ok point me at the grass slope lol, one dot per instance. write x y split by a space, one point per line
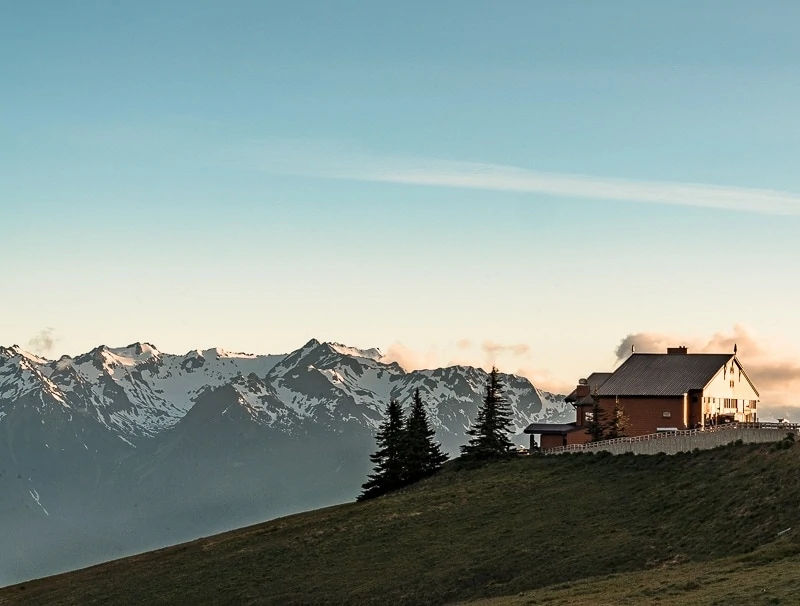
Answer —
769 575
496 530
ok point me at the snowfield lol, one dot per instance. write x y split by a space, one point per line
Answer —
137 392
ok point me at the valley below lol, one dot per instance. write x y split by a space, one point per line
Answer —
708 527
124 450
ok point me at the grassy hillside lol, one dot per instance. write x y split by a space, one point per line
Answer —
497 530
769 575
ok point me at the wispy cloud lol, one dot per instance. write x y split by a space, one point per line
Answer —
412 359
42 343
493 349
334 161
512 358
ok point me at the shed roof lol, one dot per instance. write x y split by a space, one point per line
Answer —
550 428
663 374
595 381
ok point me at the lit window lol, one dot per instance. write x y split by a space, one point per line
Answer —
666 414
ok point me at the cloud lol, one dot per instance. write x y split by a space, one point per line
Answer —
410 359
776 377
467 353
720 342
544 379
336 161
43 342
493 349
488 355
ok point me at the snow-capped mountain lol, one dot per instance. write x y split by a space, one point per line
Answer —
122 449
138 392
135 391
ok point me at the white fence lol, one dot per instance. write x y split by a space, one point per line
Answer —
600 445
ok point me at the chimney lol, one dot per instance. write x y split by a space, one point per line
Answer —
582 390
677 351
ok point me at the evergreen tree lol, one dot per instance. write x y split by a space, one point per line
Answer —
422 456
388 460
489 433
596 427
618 423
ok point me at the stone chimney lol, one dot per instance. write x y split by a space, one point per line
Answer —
582 390
677 351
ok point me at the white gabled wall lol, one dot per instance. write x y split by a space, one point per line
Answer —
731 386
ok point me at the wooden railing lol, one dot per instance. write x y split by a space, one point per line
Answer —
793 427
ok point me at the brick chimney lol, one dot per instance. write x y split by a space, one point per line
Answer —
582 390
677 351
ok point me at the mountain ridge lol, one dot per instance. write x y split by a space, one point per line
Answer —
123 449
137 391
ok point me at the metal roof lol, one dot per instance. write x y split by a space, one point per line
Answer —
663 374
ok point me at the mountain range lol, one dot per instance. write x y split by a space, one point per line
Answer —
120 450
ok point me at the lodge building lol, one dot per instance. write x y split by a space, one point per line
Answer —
659 392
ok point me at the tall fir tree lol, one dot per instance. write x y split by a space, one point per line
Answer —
422 455
596 427
388 459
489 433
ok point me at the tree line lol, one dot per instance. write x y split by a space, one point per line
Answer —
407 451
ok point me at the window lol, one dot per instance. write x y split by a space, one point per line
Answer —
666 414
732 384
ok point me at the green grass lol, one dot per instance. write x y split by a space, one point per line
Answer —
770 575
491 531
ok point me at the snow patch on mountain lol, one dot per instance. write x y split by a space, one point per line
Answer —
137 392
35 496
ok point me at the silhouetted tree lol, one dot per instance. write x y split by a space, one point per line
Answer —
596 427
387 459
421 455
489 432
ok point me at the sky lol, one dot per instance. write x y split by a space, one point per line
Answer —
522 183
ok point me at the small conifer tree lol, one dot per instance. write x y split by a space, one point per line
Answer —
618 422
422 455
596 427
489 433
388 459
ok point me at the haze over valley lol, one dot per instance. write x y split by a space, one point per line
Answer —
125 449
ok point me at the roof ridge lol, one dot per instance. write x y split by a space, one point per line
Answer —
686 355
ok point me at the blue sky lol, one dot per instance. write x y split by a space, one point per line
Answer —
252 174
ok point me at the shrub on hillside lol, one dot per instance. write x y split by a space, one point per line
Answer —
785 443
